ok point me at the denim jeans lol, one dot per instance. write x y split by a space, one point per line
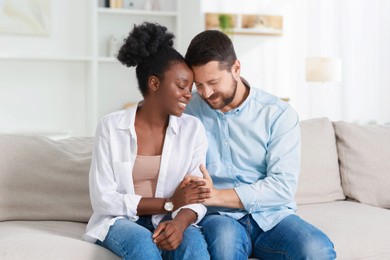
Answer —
292 238
133 240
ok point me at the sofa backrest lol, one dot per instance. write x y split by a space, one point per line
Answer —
319 180
42 179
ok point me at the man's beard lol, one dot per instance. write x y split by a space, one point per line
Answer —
226 99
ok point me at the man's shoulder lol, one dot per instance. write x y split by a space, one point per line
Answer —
271 104
196 106
266 98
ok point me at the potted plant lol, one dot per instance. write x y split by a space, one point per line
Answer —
225 23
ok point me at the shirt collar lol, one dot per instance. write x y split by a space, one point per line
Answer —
128 119
237 110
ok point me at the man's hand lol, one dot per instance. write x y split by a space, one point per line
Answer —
190 192
168 235
207 184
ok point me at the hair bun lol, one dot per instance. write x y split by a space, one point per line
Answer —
144 41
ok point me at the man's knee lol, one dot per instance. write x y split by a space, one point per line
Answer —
193 245
217 227
225 237
317 246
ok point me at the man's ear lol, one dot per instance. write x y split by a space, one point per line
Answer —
236 70
153 83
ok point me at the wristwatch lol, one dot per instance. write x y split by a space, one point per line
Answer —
168 205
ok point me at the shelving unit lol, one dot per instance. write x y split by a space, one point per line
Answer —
112 85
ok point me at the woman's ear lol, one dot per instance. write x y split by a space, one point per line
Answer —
236 70
153 83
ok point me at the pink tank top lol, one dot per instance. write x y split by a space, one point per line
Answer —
145 175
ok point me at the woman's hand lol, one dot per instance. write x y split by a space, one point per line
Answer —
169 234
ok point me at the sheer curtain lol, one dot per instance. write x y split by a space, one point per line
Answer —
358 32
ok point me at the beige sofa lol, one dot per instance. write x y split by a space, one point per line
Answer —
44 202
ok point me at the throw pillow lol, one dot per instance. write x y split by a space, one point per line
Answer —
364 154
319 180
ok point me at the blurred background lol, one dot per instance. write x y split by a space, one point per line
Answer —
59 75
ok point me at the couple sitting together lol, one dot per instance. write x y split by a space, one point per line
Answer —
198 175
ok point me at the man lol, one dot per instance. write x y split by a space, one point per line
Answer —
253 160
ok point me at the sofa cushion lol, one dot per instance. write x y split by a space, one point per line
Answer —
364 154
46 240
358 231
319 180
42 179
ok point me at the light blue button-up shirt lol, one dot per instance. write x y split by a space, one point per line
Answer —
255 149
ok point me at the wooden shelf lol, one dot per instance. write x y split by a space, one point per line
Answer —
252 31
246 24
255 31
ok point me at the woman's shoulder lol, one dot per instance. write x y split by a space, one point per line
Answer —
121 119
113 117
190 119
191 125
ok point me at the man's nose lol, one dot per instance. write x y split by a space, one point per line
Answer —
207 91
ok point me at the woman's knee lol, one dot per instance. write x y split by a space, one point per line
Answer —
131 241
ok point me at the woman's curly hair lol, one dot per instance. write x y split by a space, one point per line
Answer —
149 47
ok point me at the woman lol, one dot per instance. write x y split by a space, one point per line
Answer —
141 155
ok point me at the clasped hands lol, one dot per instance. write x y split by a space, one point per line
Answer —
194 189
169 234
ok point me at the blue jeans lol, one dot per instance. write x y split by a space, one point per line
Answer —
133 240
292 238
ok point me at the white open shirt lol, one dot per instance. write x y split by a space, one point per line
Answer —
115 149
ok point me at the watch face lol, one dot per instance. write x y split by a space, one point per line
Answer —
168 206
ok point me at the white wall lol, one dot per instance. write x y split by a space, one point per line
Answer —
42 94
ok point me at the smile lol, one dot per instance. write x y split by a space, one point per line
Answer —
183 105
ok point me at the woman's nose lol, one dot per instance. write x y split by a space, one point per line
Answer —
188 94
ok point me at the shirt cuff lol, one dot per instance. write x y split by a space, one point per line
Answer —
199 209
131 203
245 193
